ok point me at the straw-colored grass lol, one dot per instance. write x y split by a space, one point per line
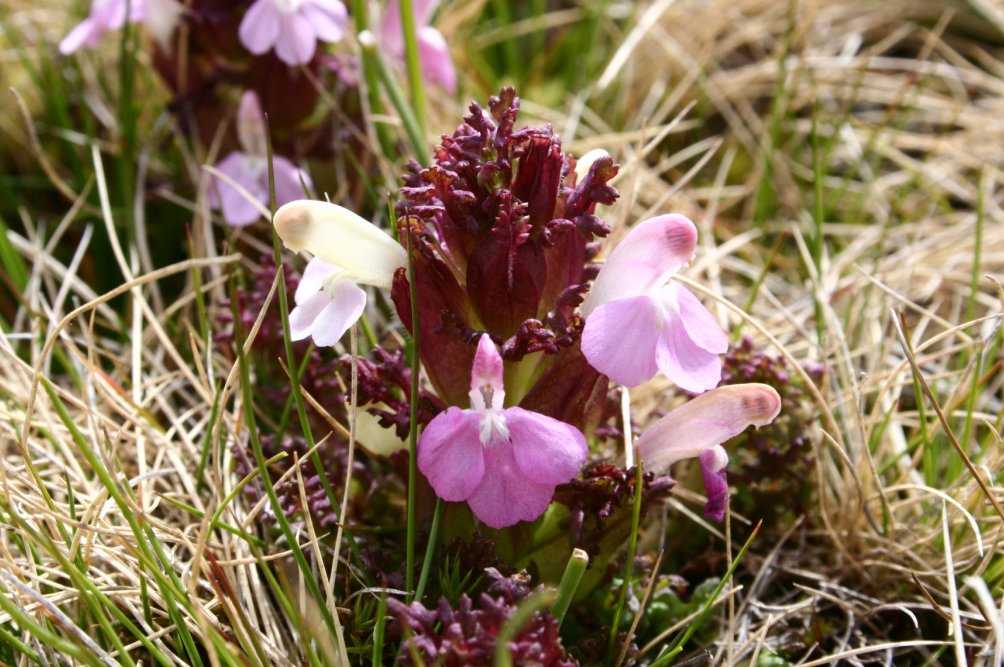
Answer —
862 140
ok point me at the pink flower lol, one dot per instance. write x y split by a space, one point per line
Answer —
348 251
699 427
159 16
504 463
638 321
106 15
434 52
292 27
249 169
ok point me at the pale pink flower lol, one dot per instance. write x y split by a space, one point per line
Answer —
698 428
159 16
249 169
348 251
292 27
105 16
638 321
433 51
504 462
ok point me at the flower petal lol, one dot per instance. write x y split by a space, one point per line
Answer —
644 260
347 303
329 18
546 450
287 180
297 41
391 35
86 33
302 318
684 362
437 63
620 339
339 236
450 454
312 279
701 325
486 372
706 421
260 26
251 125
505 496
238 210
713 461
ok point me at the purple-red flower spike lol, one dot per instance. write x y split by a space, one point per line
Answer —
504 462
638 322
248 168
698 428
292 27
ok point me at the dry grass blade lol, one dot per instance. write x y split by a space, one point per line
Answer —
977 477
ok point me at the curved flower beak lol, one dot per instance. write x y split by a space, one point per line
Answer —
698 428
362 252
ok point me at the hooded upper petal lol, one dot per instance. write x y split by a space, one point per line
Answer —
620 339
337 235
450 454
644 260
707 421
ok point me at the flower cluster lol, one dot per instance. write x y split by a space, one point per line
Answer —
271 52
466 635
496 240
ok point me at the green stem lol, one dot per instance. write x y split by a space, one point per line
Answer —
412 422
413 61
430 550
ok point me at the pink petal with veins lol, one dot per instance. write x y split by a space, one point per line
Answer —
450 454
620 339
702 327
684 362
505 496
546 450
